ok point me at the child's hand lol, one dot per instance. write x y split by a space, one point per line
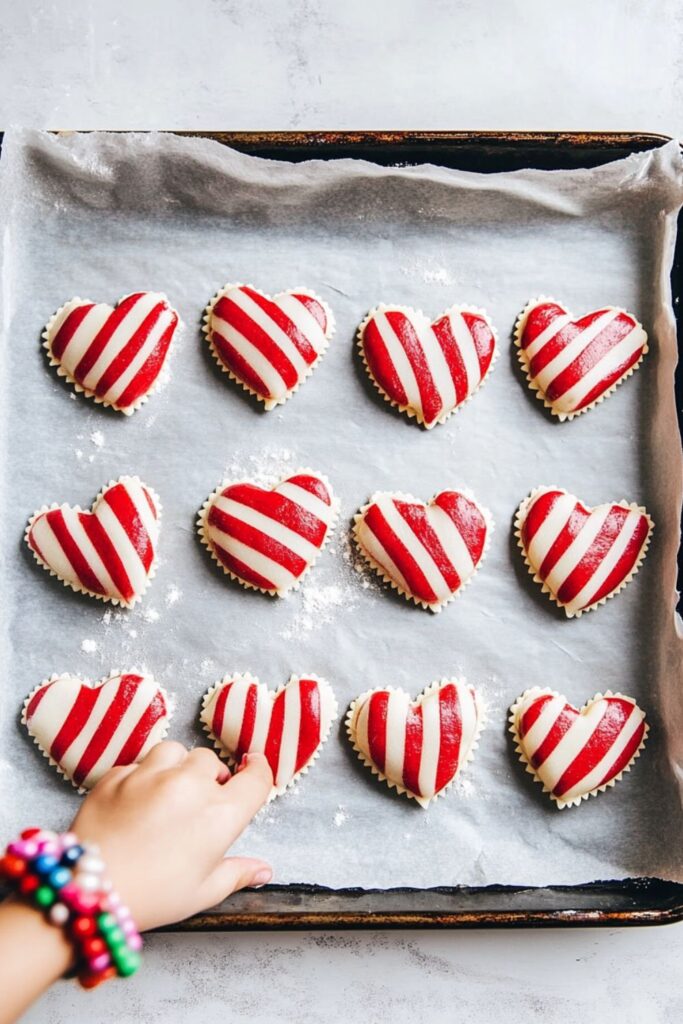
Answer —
163 827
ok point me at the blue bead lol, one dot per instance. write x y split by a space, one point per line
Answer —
44 863
59 877
72 855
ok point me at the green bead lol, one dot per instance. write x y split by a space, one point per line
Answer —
106 923
44 896
127 961
116 939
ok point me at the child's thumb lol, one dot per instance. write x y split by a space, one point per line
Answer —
234 873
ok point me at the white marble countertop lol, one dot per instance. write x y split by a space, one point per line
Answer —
226 64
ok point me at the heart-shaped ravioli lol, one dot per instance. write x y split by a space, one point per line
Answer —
267 538
417 746
109 552
87 728
268 345
113 354
427 369
426 551
573 364
289 726
581 556
576 753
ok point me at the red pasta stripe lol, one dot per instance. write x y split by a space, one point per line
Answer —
248 720
274 741
219 710
279 317
227 309
405 332
453 356
130 751
309 729
81 567
257 540
120 502
125 693
149 371
105 548
450 719
399 554
416 517
413 749
377 728
103 336
129 351
605 733
76 718
67 330
560 726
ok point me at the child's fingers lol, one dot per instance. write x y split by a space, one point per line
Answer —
206 763
232 874
167 754
244 794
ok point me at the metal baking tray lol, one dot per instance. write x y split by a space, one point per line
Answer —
634 901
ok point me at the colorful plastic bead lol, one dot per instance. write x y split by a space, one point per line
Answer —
31 833
28 885
93 947
135 942
127 961
12 866
44 896
84 927
59 877
44 863
98 963
59 914
72 855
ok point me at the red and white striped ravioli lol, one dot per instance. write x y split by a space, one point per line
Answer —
289 726
85 729
109 552
428 552
114 355
268 538
268 345
574 364
427 370
420 746
575 753
580 555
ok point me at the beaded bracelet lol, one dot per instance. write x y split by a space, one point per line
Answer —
65 879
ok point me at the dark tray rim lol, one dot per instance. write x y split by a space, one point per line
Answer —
633 901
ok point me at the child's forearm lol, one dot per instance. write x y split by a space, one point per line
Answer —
33 955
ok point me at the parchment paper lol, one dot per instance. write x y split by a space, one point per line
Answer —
102 215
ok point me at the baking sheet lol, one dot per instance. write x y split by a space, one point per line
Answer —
101 215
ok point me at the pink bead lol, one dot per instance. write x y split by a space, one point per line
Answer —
82 902
113 900
135 942
68 893
69 839
99 963
122 912
128 926
49 846
25 848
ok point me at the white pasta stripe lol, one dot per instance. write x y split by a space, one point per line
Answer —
303 319
546 335
259 563
452 542
290 735
463 337
549 530
379 554
82 338
308 501
431 745
84 544
396 734
615 750
437 365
